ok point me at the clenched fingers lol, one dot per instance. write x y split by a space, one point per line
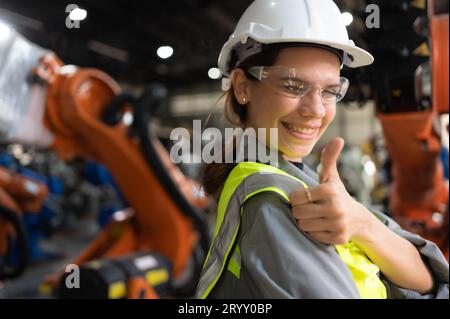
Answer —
307 211
319 193
317 224
300 197
324 237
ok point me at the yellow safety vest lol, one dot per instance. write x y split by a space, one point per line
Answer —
364 272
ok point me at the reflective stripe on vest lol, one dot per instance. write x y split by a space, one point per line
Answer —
246 180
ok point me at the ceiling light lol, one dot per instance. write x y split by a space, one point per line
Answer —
78 14
214 73
347 18
5 31
164 52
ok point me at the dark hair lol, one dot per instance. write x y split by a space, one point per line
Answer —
215 174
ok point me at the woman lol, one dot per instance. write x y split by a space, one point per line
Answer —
283 232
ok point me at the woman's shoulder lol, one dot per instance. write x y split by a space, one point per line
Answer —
267 207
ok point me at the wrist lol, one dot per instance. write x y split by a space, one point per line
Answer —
365 233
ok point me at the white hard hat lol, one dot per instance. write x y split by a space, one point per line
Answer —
316 22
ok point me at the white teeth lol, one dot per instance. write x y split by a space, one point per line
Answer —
300 129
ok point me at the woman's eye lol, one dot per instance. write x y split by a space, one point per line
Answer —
294 86
330 93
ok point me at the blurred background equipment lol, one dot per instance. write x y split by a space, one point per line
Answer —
85 111
410 102
137 275
13 250
18 194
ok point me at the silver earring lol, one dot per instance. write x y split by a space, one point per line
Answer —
244 100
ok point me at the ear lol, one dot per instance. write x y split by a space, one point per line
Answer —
241 86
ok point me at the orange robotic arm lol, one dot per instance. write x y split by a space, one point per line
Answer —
28 194
17 194
163 219
419 188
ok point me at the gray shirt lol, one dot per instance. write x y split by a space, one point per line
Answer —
278 260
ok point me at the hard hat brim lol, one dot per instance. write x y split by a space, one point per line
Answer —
353 56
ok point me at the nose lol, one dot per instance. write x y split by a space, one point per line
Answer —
311 104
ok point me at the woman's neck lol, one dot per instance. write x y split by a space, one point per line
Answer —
293 159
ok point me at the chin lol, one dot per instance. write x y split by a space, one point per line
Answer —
297 152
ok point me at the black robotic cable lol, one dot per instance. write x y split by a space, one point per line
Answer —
8 268
142 107
112 113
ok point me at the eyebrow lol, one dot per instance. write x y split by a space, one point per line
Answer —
293 78
333 85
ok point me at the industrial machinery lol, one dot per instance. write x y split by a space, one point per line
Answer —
411 85
82 112
136 275
18 194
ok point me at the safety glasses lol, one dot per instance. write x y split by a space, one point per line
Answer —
285 81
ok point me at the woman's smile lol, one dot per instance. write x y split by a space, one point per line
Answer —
301 131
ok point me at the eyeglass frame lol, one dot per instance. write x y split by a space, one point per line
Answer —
257 72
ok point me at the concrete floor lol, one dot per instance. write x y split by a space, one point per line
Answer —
62 247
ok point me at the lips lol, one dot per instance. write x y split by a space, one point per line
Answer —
301 131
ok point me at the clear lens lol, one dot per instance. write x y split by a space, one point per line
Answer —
284 80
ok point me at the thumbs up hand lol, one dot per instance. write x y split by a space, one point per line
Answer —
328 160
329 214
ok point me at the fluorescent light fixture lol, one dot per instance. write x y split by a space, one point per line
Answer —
347 17
108 50
5 31
214 73
164 52
78 14
18 19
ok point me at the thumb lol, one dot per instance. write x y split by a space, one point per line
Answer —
328 160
